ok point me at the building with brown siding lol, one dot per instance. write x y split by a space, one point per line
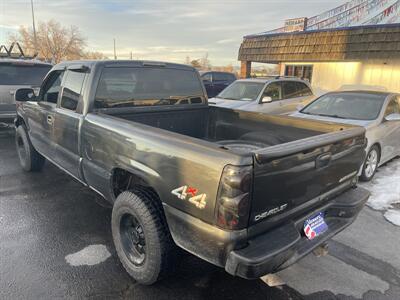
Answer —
331 59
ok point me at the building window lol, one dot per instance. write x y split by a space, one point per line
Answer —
304 72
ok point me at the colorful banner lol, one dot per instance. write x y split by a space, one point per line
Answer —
333 12
353 13
352 16
389 15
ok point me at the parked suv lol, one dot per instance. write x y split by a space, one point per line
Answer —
276 95
15 74
216 82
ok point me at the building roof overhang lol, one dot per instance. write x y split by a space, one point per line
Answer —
361 43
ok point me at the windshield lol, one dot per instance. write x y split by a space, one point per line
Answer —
242 90
22 74
357 106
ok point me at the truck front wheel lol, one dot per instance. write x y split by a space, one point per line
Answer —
141 236
29 158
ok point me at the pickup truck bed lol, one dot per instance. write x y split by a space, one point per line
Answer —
238 131
234 188
273 143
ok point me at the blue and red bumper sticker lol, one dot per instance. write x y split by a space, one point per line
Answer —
315 226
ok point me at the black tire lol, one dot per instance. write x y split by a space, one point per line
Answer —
159 249
29 158
368 171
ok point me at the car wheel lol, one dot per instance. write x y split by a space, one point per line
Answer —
141 236
370 164
29 158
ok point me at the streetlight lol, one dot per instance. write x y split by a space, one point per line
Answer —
34 28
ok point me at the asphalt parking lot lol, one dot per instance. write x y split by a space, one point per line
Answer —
47 218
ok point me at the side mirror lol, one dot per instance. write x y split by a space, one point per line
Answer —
266 99
23 95
392 117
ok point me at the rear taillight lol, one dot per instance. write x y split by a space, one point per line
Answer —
234 194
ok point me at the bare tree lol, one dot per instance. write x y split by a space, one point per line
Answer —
196 64
54 42
94 55
205 62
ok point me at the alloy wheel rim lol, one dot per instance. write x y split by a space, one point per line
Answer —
133 239
371 163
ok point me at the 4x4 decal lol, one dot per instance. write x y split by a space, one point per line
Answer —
185 191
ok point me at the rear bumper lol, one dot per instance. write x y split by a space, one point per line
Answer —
283 246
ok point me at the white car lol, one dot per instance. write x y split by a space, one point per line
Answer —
275 95
378 112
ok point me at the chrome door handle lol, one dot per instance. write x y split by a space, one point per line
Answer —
49 120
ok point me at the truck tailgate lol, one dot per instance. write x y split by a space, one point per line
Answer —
291 177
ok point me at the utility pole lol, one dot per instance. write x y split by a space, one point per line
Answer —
34 28
131 55
115 51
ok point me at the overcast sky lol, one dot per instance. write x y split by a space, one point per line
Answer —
162 29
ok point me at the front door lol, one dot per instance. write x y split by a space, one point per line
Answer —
273 90
40 115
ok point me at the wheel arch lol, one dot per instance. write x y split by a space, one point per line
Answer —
377 144
125 179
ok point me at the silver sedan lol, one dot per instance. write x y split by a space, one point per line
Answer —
378 112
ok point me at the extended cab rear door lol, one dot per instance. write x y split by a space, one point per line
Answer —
67 119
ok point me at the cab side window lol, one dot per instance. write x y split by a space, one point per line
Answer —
72 90
207 77
224 77
393 107
303 89
52 87
290 90
273 90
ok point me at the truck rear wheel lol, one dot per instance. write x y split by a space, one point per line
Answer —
141 236
29 158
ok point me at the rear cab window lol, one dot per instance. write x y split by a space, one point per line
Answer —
22 73
138 87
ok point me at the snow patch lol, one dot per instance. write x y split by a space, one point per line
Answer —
393 216
385 189
89 256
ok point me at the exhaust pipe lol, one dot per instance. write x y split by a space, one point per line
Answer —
321 250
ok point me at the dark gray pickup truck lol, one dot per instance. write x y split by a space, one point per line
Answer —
248 192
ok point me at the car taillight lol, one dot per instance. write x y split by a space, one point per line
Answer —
234 194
